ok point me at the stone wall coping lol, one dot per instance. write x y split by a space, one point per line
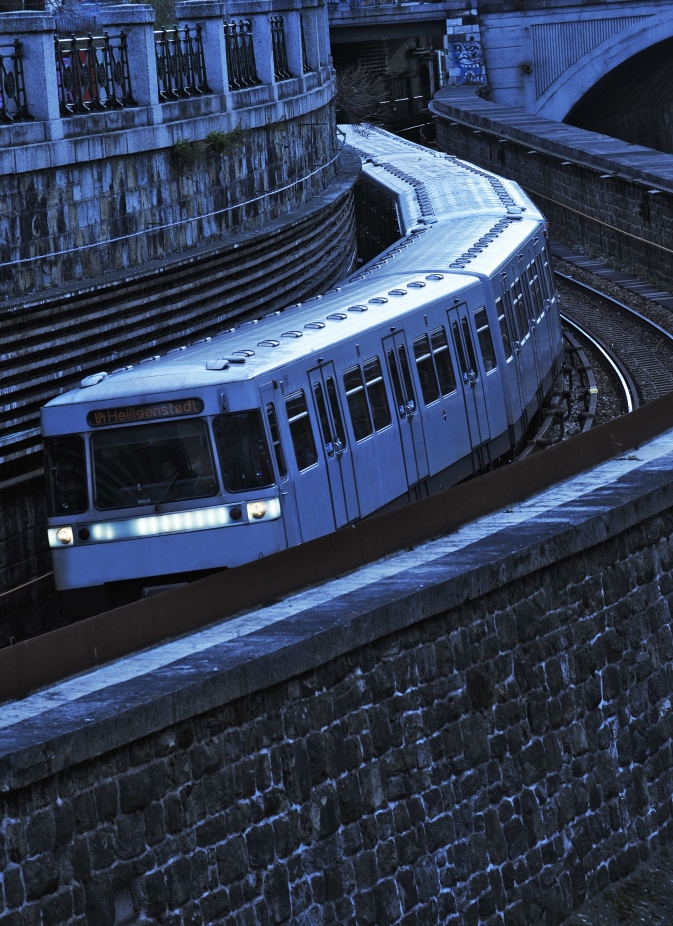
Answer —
97 712
125 14
137 130
645 165
26 21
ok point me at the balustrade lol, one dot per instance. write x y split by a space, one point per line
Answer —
13 103
304 57
92 73
181 68
240 55
280 68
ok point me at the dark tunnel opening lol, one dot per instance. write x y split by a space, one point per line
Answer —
634 101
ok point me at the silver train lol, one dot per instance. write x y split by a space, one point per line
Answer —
421 369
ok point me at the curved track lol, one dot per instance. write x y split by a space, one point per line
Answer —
641 349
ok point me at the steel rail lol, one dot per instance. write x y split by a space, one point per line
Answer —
620 371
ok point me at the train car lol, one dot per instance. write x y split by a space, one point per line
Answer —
421 369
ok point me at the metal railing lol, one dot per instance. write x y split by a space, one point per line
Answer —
281 69
13 103
181 66
240 55
92 73
304 57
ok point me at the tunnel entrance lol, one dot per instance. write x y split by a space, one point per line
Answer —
634 101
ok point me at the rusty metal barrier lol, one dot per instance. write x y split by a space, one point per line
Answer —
57 655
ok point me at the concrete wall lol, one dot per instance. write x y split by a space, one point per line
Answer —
483 736
599 192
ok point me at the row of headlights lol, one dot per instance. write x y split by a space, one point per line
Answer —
173 522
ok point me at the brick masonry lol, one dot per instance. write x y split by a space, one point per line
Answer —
594 190
493 761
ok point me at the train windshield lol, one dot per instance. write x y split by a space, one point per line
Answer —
65 468
150 464
243 451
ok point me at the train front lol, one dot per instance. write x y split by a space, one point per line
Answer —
152 481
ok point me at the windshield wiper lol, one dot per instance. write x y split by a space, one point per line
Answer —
169 487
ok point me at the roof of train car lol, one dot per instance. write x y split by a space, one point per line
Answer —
465 204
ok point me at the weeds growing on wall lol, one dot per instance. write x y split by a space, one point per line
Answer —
188 153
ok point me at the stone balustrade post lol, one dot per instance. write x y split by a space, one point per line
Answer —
35 31
210 15
261 37
310 15
295 58
323 34
137 21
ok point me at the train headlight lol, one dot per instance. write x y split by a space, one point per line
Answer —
256 510
64 535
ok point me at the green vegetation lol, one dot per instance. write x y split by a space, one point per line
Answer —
188 153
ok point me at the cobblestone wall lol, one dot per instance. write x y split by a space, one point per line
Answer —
493 764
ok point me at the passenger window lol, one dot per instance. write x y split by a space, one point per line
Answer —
426 369
536 294
397 385
443 362
474 369
485 340
504 333
336 411
357 403
301 431
65 469
542 277
376 392
461 353
517 302
528 296
406 375
243 452
275 439
324 420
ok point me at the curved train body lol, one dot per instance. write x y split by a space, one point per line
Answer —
421 369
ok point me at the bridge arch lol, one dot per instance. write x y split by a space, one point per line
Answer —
568 90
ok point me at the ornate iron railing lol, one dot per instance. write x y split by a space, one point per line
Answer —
281 69
181 66
13 103
304 56
92 73
240 55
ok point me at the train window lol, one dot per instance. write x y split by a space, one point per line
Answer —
504 333
357 403
443 363
152 463
519 311
543 279
336 411
65 469
275 439
376 391
406 376
323 419
301 431
474 369
461 353
536 294
426 369
527 294
397 384
243 451
485 340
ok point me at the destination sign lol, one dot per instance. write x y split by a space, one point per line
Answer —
132 414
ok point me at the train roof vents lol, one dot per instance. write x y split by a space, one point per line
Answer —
253 321
378 300
122 369
397 292
203 340
357 308
244 353
292 334
435 277
150 359
416 284
338 316
268 342
174 350
314 326
93 379
220 364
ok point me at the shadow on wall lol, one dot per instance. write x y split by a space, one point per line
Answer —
634 101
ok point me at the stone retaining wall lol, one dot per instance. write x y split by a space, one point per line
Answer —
495 762
602 193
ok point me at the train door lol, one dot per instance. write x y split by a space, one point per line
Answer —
473 388
338 457
287 497
511 347
411 426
